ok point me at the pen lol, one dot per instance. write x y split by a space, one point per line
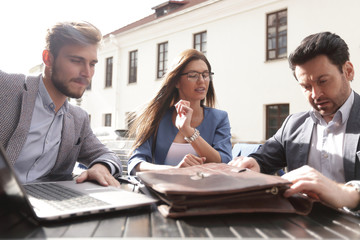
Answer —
239 171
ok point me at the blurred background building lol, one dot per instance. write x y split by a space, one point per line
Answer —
247 43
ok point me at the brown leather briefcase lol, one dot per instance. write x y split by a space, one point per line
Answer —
218 188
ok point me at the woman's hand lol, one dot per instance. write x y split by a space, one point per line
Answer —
183 118
191 160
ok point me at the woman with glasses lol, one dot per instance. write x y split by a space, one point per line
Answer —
180 127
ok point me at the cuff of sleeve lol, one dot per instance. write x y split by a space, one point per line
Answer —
132 167
354 211
112 168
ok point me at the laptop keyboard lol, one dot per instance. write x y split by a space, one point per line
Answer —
61 197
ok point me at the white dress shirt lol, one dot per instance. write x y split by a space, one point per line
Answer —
327 142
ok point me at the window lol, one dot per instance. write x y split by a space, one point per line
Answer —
130 117
275 116
109 71
133 66
89 86
200 40
107 122
162 59
276 44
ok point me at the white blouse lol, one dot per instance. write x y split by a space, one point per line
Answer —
177 152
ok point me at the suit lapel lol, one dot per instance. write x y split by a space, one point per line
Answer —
19 136
167 133
351 140
303 153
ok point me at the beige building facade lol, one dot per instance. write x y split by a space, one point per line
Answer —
247 43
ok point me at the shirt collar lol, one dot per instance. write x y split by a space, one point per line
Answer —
341 115
47 101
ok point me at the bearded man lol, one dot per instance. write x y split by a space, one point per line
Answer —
42 133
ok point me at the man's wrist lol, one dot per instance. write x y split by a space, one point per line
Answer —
108 166
354 189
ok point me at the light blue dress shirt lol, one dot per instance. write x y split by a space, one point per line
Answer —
40 151
38 156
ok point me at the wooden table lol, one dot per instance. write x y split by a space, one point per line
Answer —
147 222
322 223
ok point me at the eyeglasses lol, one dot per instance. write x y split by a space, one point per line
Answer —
193 76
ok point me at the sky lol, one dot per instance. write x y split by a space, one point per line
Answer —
23 24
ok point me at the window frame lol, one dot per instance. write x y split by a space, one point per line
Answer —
133 57
277 37
202 43
129 119
107 119
162 59
270 131
109 62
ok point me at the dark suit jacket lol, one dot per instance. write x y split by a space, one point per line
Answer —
290 146
78 143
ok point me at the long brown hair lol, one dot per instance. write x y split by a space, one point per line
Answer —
147 123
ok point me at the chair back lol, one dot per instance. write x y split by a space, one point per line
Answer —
244 149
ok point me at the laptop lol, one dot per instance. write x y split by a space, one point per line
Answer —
64 195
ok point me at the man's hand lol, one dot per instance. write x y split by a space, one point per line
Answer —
191 160
99 173
245 162
311 182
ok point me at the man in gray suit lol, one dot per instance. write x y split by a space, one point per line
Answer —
42 133
320 148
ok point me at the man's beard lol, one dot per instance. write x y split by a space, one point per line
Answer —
62 87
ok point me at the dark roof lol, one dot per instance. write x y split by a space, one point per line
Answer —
175 6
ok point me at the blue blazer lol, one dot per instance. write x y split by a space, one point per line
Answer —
214 129
290 146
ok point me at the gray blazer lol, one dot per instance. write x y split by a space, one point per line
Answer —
78 143
290 145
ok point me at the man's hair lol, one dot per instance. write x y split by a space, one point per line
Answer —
323 43
71 33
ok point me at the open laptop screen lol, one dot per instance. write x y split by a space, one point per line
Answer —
12 197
